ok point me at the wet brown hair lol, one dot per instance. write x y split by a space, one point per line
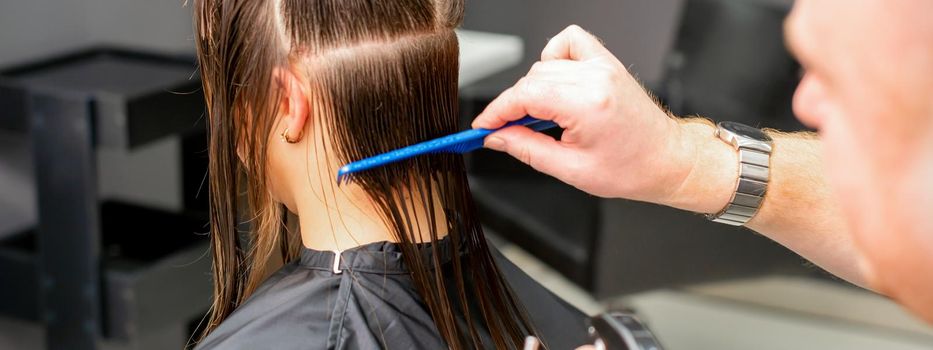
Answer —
383 74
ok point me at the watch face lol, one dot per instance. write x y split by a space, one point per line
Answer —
746 131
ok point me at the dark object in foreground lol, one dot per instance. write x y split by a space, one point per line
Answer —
616 330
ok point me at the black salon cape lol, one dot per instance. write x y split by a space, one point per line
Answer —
370 304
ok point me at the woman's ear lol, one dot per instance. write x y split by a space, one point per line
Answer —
294 109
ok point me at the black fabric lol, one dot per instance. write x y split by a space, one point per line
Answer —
560 325
371 304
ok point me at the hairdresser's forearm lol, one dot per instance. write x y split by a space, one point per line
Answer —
798 211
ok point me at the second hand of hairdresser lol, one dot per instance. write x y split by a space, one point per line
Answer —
619 143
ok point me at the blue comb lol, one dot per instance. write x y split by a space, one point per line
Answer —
461 142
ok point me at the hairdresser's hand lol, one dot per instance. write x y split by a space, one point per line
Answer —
617 141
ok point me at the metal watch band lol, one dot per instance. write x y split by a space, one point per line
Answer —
754 153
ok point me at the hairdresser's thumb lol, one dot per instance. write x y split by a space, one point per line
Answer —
495 142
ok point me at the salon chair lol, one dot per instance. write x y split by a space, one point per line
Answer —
728 62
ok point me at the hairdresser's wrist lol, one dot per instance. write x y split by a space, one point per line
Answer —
711 169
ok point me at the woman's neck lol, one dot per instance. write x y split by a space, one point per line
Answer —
345 217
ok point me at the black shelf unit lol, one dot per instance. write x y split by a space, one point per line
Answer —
138 262
137 96
93 271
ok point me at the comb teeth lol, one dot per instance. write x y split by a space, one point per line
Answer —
343 174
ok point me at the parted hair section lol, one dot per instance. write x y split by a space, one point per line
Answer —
383 75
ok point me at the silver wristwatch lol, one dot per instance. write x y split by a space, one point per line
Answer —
754 147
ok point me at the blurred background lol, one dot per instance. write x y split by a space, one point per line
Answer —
102 159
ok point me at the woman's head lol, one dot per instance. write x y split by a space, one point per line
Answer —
296 88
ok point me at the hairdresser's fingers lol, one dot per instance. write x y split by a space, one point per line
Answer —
574 43
538 150
568 72
490 118
541 99
586 347
584 78
557 67
531 343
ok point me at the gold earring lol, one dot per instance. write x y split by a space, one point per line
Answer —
286 139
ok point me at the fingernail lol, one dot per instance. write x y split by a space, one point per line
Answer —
531 343
495 143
